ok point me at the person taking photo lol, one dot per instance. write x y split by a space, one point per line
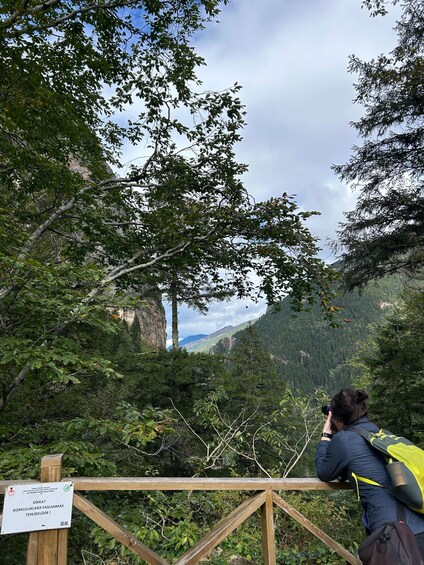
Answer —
342 454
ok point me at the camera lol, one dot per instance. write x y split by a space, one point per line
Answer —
325 408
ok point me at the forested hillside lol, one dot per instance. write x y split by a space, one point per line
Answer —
308 352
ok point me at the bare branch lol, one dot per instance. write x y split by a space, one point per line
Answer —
141 452
122 270
44 226
13 387
45 6
24 11
254 448
188 425
225 438
108 184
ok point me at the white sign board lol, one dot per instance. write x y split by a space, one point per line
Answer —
42 506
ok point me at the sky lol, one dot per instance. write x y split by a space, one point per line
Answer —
291 59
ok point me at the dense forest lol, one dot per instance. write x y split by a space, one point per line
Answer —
308 352
81 242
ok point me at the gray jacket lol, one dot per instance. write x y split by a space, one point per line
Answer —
348 452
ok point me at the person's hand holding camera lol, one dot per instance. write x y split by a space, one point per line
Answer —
327 432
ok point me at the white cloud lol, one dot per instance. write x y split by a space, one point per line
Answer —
291 59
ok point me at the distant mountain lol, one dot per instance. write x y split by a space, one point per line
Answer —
191 338
225 330
308 353
205 344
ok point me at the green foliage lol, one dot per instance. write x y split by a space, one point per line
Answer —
241 420
44 318
392 367
176 375
91 447
385 233
70 230
267 239
73 234
135 440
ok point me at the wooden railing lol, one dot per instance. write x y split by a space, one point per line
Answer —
50 547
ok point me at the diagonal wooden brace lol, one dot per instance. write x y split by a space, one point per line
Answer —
117 531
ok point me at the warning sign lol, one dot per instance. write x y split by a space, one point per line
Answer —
30 508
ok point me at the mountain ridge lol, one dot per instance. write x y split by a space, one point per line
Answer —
205 344
308 353
191 338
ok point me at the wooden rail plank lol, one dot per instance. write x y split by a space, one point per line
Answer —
296 515
222 530
5 484
179 483
268 533
115 530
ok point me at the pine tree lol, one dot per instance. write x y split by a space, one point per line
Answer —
385 233
254 382
395 370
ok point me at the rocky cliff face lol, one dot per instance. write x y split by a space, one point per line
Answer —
151 315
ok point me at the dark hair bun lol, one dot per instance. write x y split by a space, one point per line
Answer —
361 395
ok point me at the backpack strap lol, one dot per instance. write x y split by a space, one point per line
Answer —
401 511
365 435
364 480
360 431
368 436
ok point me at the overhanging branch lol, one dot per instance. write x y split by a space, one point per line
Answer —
45 6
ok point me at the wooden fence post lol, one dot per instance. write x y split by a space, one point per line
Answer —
268 535
32 549
49 547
